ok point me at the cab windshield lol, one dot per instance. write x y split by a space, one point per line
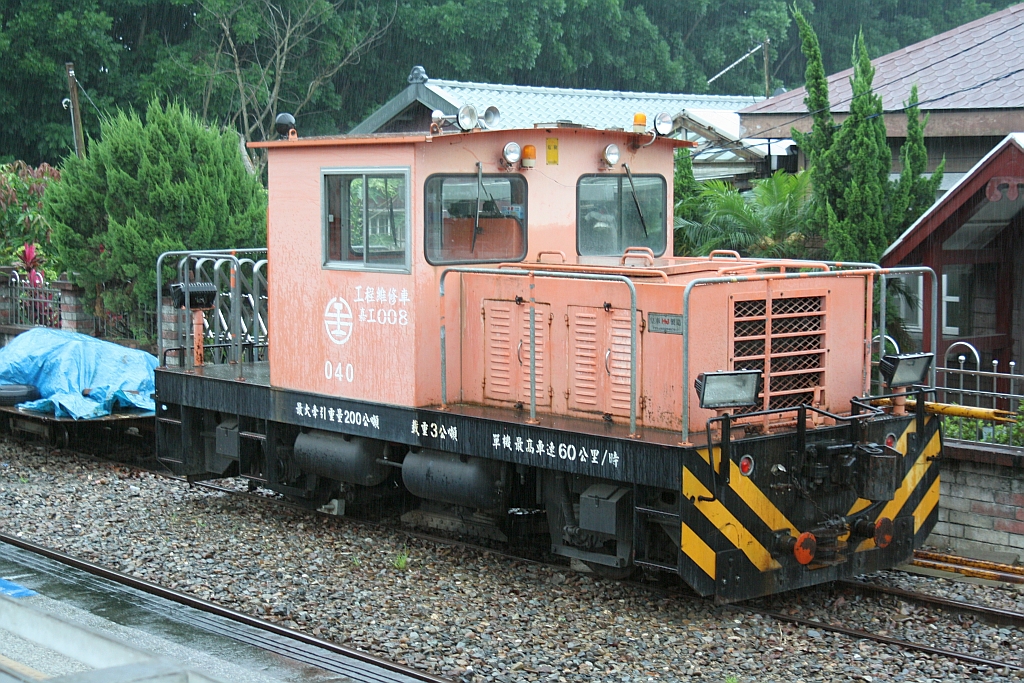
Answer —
614 212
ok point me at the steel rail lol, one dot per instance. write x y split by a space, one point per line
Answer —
888 640
211 608
993 615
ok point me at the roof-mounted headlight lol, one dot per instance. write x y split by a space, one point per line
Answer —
467 117
663 123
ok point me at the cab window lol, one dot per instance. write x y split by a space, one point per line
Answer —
471 219
366 221
607 219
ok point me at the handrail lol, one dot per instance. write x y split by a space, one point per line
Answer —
870 273
637 252
566 275
551 252
781 263
724 252
574 267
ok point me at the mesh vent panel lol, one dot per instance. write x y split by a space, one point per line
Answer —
749 309
792 400
792 371
811 323
794 363
803 304
752 347
792 382
791 344
748 328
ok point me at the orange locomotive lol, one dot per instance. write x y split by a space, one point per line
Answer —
491 323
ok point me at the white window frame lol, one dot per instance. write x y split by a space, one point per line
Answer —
948 299
326 263
914 322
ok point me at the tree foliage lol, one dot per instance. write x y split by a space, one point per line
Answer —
858 162
768 221
21 206
238 62
163 184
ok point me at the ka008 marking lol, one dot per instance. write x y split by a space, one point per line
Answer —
339 372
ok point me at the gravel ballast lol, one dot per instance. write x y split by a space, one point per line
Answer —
469 614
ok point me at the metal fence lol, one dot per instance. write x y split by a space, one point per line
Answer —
963 379
33 301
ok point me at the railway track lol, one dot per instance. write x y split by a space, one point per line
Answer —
993 615
354 664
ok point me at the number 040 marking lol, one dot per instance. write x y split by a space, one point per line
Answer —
341 373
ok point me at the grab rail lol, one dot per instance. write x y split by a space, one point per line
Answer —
533 347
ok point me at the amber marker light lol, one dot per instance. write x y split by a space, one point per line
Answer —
529 159
639 122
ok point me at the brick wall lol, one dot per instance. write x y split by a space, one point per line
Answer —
981 509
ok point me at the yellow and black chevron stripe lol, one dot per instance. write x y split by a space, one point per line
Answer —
918 495
740 522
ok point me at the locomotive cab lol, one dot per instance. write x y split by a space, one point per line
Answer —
491 327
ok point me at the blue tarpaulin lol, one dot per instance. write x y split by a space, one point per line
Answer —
78 376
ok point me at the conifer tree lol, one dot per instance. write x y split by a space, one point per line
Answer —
859 162
816 143
913 193
169 183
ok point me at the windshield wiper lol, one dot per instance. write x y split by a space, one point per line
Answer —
636 201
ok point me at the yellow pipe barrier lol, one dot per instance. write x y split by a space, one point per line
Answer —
950 410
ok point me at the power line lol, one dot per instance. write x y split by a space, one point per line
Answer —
800 117
902 109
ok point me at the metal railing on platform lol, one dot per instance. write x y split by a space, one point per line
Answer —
963 379
33 301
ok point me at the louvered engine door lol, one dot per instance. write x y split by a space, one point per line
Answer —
507 352
599 360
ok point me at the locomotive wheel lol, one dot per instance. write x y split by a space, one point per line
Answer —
608 572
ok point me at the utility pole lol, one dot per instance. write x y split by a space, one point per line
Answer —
767 73
76 117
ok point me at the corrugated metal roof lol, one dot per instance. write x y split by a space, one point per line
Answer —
524 106
979 65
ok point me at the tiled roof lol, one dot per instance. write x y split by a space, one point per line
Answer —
979 65
523 106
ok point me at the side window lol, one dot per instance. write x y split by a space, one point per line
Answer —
366 221
475 220
607 218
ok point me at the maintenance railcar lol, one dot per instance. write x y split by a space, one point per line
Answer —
504 338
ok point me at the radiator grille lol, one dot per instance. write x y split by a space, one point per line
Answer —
791 356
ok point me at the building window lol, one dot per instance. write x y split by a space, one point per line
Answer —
911 302
607 219
366 221
471 219
957 300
